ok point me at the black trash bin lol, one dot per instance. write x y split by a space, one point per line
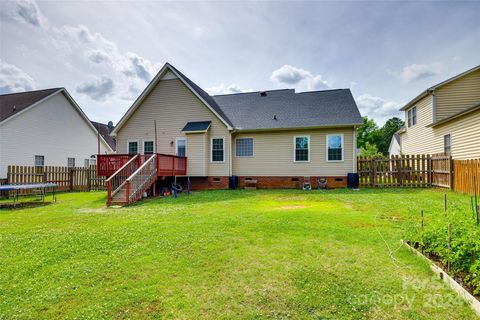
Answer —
352 180
233 182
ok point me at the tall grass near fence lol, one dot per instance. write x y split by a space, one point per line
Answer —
452 238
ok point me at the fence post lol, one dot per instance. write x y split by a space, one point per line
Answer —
70 173
89 174
372 172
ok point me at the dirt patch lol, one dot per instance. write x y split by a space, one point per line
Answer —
294 207
90 210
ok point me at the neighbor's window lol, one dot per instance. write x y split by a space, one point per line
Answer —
39 161
412 116
334 147
244 147
218 152
90 162
132 147
302 149
447 143
71 162
147 147
181 147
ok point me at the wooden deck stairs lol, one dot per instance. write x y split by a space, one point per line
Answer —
128 183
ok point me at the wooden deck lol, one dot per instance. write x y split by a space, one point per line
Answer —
167 165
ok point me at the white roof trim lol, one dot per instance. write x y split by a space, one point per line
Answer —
432 88
151 86
31 106
72 102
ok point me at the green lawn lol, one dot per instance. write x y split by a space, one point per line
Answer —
223 254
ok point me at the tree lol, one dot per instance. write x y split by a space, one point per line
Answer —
365 132
369 150
386 133
370 136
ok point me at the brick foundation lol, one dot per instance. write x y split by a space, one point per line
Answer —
292 182
208 183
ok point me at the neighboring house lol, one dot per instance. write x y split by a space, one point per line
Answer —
276 137
445 118
45 128
394 149
105 130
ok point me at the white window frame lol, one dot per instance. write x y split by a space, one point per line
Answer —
138 146
176 145
211 149
143 146
343 146
295 148
447 134
35 161
68 162
410 117
253 147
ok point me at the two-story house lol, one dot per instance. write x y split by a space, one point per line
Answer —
444 118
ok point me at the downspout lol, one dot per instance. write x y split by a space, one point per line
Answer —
354 150
230 169
434 106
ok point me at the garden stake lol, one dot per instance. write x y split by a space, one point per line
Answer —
445 203
422 220
475 195
473 207
449 247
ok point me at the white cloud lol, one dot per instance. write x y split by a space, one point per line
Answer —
223 89
378 108
299 78
25 11
14 79
415 71
97 89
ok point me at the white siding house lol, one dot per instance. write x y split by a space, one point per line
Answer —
46 127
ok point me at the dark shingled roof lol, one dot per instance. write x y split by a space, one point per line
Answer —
197 126
13 103
105 131
279 109
205 96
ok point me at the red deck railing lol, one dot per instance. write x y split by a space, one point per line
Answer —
167 165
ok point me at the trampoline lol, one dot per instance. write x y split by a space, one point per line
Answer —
39 186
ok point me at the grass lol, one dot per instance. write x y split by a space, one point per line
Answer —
222 255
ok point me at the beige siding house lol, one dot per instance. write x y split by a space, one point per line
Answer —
445 118
45 127
278 138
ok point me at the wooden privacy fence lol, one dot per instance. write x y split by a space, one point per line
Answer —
397 171
67 179
464 173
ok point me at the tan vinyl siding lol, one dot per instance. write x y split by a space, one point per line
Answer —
465 136
172 105
418 138
273 154
458 95
196 146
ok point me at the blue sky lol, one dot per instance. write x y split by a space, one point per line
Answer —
105 53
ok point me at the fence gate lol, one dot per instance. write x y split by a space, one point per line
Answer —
405 171
442 170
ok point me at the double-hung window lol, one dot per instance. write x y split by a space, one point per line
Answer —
148 147
335 147
181 147
447 143
39 161
132 147
302 149
412 116
244 147
218 150
70 162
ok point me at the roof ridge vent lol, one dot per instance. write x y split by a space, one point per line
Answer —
263 93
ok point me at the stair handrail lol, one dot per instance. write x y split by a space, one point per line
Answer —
119 178
146 170
121 168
